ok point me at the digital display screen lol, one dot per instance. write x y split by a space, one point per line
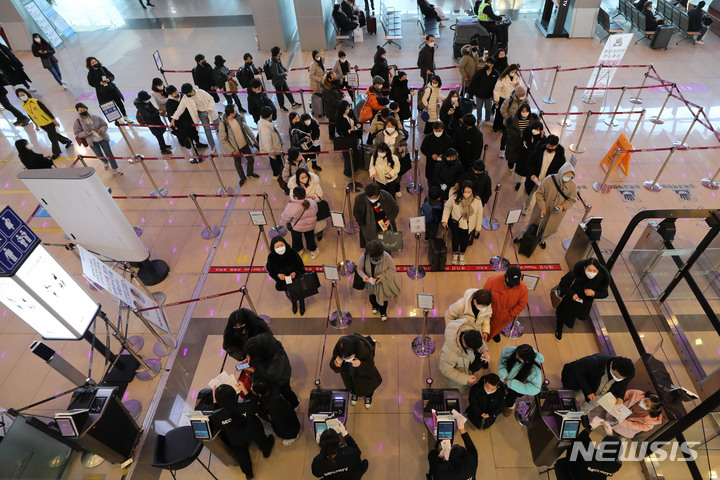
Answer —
320 427
201 429
570 429
451 404
446 430
66 427
31 311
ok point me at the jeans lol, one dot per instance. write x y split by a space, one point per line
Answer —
703 31
382 308
297 240
485 103
208 129
283 87
460 237
55 70
250 162
102 149
55 137
10 108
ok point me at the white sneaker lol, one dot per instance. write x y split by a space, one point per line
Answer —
398 194
462 259
455 258
374 310
127 119
315 253
30 89
117 172
384 319
64 85
107 167
501 153
301 252
287 443
699 42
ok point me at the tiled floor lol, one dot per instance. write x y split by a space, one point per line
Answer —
387 434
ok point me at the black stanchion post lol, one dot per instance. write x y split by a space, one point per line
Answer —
152 366
351 226
302 100
209 231
81 160
415 188
422 345
356 186
262 230
164 344
345 267
265 318
499 263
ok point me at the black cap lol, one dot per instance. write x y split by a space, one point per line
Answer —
143 96
219 60
512 276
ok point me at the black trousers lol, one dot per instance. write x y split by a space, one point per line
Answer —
10 108
510 398
250 163
242 449
460 238
232 98
568 311
382 308
55 137
297 240
287 393
158 133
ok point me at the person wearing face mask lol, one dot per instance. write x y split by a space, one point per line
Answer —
204 77
396 140
276 410
242 325
463 214
604 457
183 127
451 114
433 147
43 118
475 307
381 68
332 96
401 93
530 137
147 114
316 72
431 98
30 159
248 72
378 123
506 83
595 375
509 298
102 80
258 99
376 269
21 120
349 131
43 50
201 107
343 21
554 197
309 182
519 368
447 173
426 59
545 159
384 169
13 69
93 129
310 127
160 96
269 360
469 63
578 288
482 86
516 125
432 209
279 79
481 181
463 353
646 408
454 462
507 109
469 141
354 359
341 69
295 161
269 141
373 95
301 216
375 211
283 262
338 461
486 401
237 138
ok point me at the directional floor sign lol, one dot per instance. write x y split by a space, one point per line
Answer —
16 241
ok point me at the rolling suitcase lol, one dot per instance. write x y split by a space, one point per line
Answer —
466 105
366 153
662 37
316 105
437 253
465 29
371 25
529 241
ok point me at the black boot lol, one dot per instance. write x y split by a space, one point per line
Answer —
294 307
317 167
302 307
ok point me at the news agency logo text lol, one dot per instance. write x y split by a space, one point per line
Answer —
635 451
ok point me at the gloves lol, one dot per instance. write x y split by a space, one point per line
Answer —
459 420
343 430
445 448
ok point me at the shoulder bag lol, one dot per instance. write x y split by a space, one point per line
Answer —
555 295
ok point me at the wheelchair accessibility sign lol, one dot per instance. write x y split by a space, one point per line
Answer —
16 241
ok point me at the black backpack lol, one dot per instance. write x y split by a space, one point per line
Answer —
267 68
245 76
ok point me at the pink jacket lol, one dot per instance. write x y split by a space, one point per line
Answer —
629 427
300 220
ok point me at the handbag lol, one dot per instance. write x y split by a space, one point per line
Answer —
358 282
555 297
425 116
304 286
323 210
391 240
80 141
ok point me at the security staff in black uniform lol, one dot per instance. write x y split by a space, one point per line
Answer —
338 462
461 463
239 426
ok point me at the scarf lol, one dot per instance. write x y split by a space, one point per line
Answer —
467 210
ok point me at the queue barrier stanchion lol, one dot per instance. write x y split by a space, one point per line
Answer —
636 99
637 125
81 160
576 147
351 226
354 185
491 223
158 192
265 318
612 122
302 100
603 187
416 272
681 143
566 122
566 243
422 345
164 343
339 319
514 330
711 182
345 267
223 190
652 185
276 229
590 100
151 366
549 99
499 263
209 231
416 187
656 119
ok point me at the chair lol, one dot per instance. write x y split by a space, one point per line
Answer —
608 25
177 449
684 25
341 36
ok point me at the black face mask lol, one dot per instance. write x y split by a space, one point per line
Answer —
96 66
85 114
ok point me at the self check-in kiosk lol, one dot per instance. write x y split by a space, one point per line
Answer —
438 403
555 421
326 408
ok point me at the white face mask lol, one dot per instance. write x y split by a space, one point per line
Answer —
431 44
438 134
390 130
280 250
521 98
434 84
536 132
349 359
374 200
22 97
29 146
317 59
454 100
38 40
590 275
642 405
524 114
308 122
617 379
567 178
467 194
382 154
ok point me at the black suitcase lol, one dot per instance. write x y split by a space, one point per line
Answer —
437 253
366 153
372 25
316 105
529 241
662 37
465 29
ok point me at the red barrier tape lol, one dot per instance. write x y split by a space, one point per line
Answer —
143 197
399 268
241 155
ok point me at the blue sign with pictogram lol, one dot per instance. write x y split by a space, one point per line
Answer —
16 241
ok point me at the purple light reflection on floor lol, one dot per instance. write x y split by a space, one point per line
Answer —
7 185
140 182
434 312
89 353
167 181
490 246
181 280
171 202
222 352
184 352
169 220
3 355
399 312
125 397
174 249
479 276
399 399
22 204
212 312
380 445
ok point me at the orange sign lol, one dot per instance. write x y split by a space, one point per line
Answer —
622 143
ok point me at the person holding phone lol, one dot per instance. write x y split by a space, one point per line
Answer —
454 462
43 50
242 325
268 359
463 353
284 265
579 287
336 460
102 80
354 359
377 270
